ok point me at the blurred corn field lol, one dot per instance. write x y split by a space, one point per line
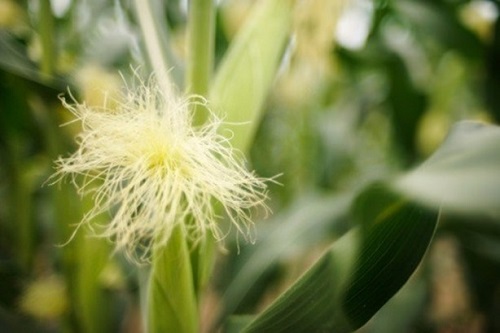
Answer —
349 106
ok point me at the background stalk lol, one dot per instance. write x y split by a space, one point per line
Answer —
155 49
46 22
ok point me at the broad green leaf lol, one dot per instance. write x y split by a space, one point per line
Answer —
394 240
247 70
294 230
171 296
360 272
463 175
313 303
400 313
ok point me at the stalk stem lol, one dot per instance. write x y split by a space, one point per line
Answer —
46 29
201 32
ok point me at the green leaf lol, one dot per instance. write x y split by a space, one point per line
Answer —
236 323
407 106
312 304
463 175
248 69
93 302
83 262
91 298
14 59
277 239
400 313
360 272
392 245
171 299
202 256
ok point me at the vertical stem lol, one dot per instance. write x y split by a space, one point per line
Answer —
46 30
201 32
200 59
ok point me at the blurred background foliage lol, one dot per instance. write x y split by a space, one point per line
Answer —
366 89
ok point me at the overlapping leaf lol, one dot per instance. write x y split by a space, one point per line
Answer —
361 271
367 266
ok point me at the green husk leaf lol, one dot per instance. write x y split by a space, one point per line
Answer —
247 70
171 299
93 303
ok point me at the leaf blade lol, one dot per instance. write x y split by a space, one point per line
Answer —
462 176
350 283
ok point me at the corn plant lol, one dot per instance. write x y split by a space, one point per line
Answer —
168 165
